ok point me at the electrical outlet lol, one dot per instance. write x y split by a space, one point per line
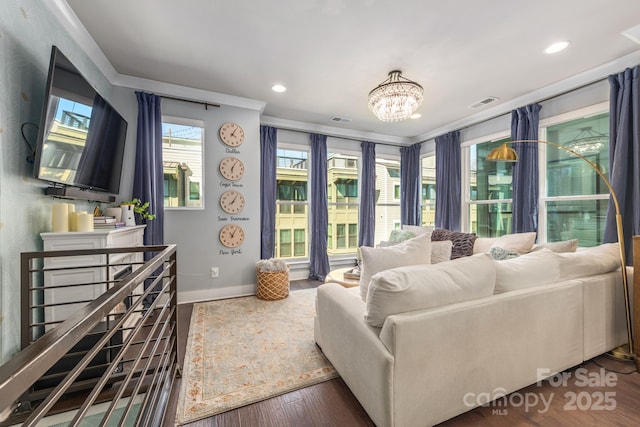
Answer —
215 271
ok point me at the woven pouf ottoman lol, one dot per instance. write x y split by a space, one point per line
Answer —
272 285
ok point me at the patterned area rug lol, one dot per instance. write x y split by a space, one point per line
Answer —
244 350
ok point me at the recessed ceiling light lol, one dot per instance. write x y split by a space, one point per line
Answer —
415 116
557 47
278 88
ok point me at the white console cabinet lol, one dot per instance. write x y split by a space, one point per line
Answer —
98 239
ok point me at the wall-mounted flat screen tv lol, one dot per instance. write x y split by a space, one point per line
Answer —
81 137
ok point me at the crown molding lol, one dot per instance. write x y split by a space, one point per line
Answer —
333 131
188 93
563 86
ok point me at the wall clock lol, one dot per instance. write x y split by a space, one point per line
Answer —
231 235
232 201
232 134
232 168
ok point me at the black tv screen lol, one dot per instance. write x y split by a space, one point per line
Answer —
81 137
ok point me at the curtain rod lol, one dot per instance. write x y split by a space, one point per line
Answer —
206 104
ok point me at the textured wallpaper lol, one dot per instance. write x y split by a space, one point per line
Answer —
27 32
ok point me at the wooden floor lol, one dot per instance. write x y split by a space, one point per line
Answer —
331 403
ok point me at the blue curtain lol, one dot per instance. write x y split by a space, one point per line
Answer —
319 209
148 180
524 125
410 179
367 212
268 165
624 156
448 186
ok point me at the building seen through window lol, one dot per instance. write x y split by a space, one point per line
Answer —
182 142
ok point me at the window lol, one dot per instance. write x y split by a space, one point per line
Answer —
576 199
292 202
428 199
299 242
489 193
285 243
387 197
182 153
343 202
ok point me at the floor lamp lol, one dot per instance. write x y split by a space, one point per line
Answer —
504 153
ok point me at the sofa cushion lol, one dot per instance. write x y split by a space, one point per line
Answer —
559 247
462 242
589 261
410 252
527 271
417 287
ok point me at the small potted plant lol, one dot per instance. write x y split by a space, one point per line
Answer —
140 209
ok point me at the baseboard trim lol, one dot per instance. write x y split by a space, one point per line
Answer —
186 297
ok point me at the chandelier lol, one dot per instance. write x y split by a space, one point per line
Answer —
396 98
588 142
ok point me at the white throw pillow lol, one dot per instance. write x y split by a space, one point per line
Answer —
482 245
589 261
441 251
410 252
527 271
417 287
519 242
563 246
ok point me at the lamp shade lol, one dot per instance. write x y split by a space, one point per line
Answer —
503 153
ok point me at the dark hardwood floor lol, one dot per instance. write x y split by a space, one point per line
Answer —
331 403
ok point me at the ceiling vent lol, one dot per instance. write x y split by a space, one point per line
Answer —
633 33
340 119
482 103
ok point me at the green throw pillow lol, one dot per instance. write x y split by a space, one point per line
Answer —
398 236
500 254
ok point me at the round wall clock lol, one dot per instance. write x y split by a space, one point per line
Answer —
232 201
232 134
231 235
232 168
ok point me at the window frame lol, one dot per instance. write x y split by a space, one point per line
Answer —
584 112
465 158
283 145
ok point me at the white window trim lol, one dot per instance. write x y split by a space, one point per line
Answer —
184 121
585 112
465 181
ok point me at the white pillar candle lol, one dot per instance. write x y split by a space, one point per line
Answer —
71 209
59 218
85 222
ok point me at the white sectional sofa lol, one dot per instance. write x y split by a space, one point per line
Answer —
417 366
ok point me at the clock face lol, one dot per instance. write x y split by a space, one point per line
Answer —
232 168
231 235
232 202
231 134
